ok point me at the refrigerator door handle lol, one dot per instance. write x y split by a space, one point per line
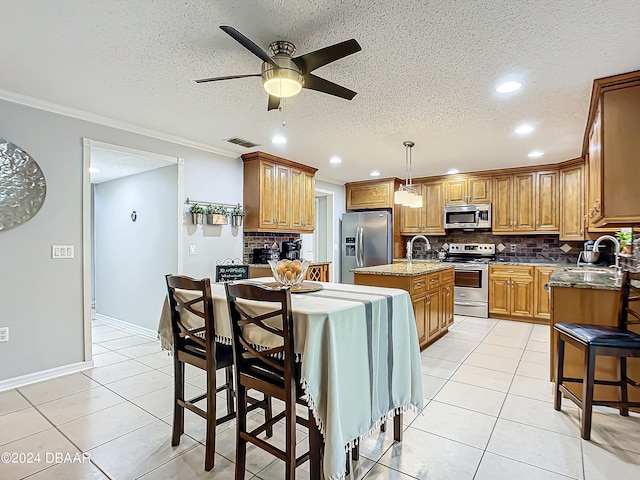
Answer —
360 247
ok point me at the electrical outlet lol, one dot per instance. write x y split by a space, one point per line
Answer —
513 248
62 251
192 249
4 334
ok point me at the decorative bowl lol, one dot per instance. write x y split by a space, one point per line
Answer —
289 272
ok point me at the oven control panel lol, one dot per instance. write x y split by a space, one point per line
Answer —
477 249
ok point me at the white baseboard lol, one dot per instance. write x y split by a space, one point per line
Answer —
147 332
44 375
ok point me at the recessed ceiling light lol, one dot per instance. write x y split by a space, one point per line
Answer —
94 170
374 173
535 154
335 160
523 129
453 171
279 140
508 87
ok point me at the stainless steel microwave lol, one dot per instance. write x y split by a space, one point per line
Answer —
467 216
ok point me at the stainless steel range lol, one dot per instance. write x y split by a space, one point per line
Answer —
471 266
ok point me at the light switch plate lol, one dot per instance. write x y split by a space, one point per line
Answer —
4 334
62 251
513 248
192 249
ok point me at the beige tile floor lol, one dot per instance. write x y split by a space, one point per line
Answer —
488 416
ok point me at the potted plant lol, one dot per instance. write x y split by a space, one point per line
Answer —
236 216
197 214
217 215
624 236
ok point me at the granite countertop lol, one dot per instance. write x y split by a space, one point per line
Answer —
266 265
594 278
524 261
404 269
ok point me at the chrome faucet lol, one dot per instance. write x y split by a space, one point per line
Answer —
410 246
616 253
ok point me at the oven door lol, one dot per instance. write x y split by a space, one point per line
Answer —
471 283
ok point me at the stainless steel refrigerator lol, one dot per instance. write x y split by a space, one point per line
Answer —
366 240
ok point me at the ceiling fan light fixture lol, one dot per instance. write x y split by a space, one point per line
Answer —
281 82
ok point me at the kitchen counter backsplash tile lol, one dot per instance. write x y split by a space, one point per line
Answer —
531 246
260 239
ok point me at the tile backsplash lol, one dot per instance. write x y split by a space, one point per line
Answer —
525 246
261 240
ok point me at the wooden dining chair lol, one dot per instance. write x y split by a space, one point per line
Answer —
271 370
197 346
600 340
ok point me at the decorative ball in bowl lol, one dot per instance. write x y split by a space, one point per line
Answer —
289 272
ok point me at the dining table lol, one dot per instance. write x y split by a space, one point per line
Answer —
359 354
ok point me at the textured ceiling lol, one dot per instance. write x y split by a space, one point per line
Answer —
112 164
427 73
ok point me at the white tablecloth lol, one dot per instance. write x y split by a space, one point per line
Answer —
360 359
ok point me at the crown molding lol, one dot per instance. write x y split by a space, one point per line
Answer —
109 122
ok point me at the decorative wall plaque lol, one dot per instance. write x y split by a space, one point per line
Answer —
22 186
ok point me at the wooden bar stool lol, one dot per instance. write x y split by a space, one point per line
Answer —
271 370
594 340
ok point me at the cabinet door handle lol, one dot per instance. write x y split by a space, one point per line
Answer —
428 299
537 222
581 231
510 271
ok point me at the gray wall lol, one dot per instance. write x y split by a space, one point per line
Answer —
40 298
339 204
131 258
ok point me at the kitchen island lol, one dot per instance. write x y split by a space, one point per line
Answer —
591 296
430 285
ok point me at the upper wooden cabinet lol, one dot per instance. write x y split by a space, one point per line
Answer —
526 202
613 151
461 191
572 193
303 213
278 194
370 194
430 217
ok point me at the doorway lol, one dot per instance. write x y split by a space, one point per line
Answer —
318 246
132 235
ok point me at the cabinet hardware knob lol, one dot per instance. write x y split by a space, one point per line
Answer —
537 222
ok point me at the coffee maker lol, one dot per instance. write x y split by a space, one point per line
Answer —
291 250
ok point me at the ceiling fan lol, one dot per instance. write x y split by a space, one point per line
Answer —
284 75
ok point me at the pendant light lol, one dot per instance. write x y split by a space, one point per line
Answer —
407 195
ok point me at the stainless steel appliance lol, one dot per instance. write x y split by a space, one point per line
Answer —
471 277
291 250
588 256
365 240
467 216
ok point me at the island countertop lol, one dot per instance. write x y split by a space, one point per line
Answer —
403 269
593 278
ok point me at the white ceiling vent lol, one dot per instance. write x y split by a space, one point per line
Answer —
242 142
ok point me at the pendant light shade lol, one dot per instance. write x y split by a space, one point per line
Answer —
407 194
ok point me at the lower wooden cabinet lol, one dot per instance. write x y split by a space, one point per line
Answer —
431 298
517 293
316 272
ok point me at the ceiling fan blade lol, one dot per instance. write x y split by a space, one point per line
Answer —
248 44
310 61
230 77
321 85
274 103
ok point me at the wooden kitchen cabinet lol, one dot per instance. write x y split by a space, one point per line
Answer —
278 194
431 298
371 194
572 193
511 292
461 191
526 203
613 152
542 307
429 219
303 208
